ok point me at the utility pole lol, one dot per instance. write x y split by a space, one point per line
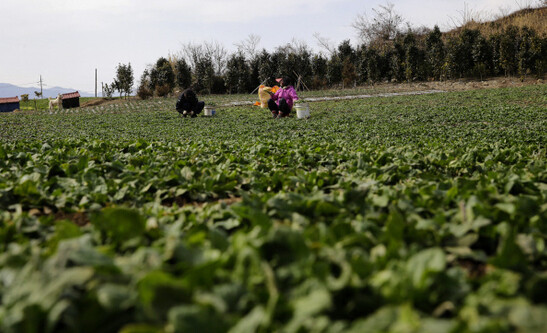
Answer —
41 92
95 82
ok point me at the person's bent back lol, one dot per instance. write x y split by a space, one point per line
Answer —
188 104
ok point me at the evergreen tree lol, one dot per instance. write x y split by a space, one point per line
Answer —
124 79
279 59
347 56
374 65
349 74
254 68
346 51
397 59
414 61
509 43
361 68
526 56
162 77
334 70
435 53
319 71
237 74
538 50
267 68
494 45
183 74
460 53
482 57
301 62
204 74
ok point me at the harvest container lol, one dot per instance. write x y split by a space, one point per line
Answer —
302 110
209 111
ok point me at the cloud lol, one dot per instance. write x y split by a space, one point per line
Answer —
64 6
102 33
189 10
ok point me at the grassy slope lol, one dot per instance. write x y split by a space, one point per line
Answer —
533 18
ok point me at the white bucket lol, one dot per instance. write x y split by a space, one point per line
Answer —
302 110
209 111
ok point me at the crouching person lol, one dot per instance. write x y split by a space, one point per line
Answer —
188 104
281 103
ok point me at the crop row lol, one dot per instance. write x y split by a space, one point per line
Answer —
400 214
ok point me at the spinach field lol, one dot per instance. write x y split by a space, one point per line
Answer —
389 214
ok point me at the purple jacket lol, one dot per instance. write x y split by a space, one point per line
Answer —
288 93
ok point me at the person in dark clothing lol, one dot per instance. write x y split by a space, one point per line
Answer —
188 104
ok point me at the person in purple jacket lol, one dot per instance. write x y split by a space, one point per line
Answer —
282 100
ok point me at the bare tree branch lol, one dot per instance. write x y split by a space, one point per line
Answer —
524 4
213 51
385 25
467 15
191 52
249 46
299 46
324 43
218 55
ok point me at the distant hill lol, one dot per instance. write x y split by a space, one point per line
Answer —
533 18
10 90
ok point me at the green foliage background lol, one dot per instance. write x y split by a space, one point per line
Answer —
401 214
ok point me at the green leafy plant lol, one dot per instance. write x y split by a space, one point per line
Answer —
400 213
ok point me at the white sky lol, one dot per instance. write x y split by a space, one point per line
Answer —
66 40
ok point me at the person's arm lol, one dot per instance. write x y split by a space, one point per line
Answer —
180 102
275 95
293 94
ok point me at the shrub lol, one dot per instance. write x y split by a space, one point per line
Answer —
108 90
143 92
162 90
162 75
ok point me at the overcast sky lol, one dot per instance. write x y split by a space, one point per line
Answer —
66 40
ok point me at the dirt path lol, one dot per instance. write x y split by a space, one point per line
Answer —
396 89
422 88
334 98
404 93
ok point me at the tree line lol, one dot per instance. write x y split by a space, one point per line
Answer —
409 56
387 53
